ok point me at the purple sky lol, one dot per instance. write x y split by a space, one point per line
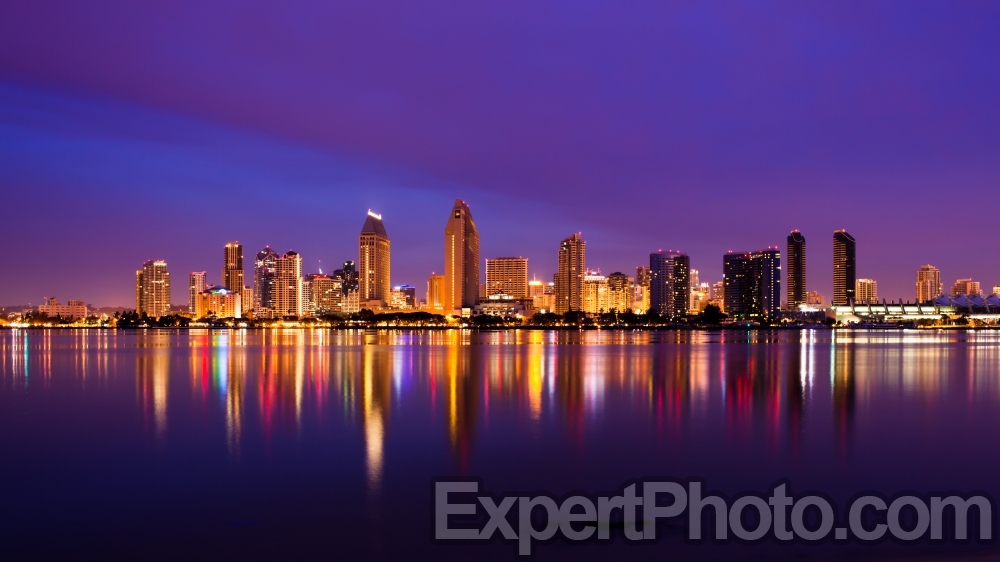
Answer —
141 130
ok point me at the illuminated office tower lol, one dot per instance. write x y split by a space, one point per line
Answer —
620 294
153 289
669 283
767 272
752 284
569 277
964 287
642 276
373 260
929 285
795 282
866 291
535 288
264 282
508 276
461 259
288 285
595 293
325 294
232 267
196 284
435 292
844 267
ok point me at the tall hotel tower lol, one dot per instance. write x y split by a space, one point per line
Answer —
288 284
844 268
669 283
796 281
373 260
929 285
196 285
461 259
508 276
232 267
152 289
569 277
264 282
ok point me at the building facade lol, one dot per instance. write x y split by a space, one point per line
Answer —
74 310
866 291
669 283
325 294
232 267
373 260
929 285
508 276
264 282
752 284
288 285
219 302
461 259
965 286
153 289
569 276
595 293
795 276
844 268
196 284
620 293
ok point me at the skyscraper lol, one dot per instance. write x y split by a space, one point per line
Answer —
461 259
669 283
642 288
196 284
153 289
325 294
373 260
569 277
435 292
619 292
929 285
796 275
752 284
348 277
595 293
232 267
508 276
844 268
264 282
288 285
866 291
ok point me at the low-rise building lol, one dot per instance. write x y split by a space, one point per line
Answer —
75 310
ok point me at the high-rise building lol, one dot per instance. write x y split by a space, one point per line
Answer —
669 283
719 295
767 270
641 300
929 285
569 277
844 268
595 293
866 291
373 260
264 286
752 284
196 284
965 286
435 292
348 276
232 267
795 282
508 276
325 294
288 285
246 300
153 289
620 294
461 259
535 288
403 297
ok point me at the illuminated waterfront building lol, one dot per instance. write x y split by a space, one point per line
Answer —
641 299
620 293
795 281
461 259
218 302
435 292
752 284
403 297
325 294
535 288
348 276
844 268
508 276
74 310
569 277
866 291
669 283
232 267
965 287
247 300
719 295
595 293
196 284
815 299
264 282
373 260
929 285
288 285
153 289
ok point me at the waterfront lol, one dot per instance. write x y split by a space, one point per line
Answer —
321 444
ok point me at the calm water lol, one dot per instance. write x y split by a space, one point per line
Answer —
321 445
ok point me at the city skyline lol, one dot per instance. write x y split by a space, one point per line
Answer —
100 121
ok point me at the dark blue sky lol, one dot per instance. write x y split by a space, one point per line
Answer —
132 131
